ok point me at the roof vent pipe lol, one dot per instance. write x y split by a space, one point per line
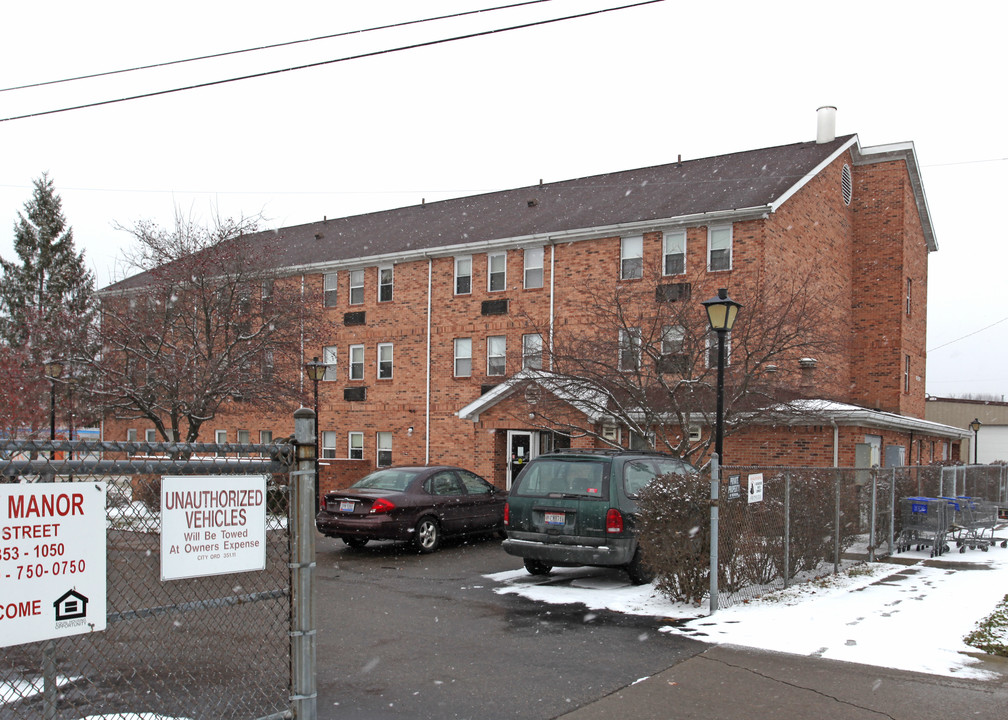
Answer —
826 124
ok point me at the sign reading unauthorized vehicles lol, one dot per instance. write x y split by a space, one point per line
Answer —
52 560
212 525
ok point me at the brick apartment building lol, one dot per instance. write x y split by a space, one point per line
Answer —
440 316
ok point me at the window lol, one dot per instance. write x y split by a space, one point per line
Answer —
496 354
672 339
265 437
131 437
385 283
463 275
497 271
906 374
384 361
329 297
356 287
533 268
356 450
629 349
632 257
532 346
719 248
244 438
356 362
150 435
463 357
267 365
220 437
329 358
909 295
328 444
712 349
384 442
674 253
266 290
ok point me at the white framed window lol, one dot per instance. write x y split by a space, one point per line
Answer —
267 365
532 346
672 339
719 248
329 290
244 438
266 290
329 358
356 362
385 283
384 361
265 437
909 295
463 275
674 253
906 374
356 287
150 435
533 267
463 357
712 349
497 271
384 447
629 348
632 257
496 354
328 444
355 450
220 437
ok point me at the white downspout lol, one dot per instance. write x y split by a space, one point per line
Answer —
836 443
430 282
551 300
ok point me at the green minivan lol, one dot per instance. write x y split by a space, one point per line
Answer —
579 507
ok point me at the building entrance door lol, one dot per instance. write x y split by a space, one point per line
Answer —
521 448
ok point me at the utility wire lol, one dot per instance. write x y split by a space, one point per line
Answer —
288 43
322 63
975 332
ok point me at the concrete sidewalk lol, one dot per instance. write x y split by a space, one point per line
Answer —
726 683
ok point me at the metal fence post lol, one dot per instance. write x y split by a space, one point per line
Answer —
714 492
874 511
302 564
787 528
836 527
892 511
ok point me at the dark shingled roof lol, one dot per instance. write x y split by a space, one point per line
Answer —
749 179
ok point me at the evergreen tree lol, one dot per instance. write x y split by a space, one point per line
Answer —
46 300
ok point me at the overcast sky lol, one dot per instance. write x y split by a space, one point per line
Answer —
610 92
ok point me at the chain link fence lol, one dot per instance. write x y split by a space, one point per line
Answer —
779 525
217 646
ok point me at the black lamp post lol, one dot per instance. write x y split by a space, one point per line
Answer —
53 369
975 427
721 312
316 371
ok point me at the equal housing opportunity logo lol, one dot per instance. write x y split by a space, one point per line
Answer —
69 607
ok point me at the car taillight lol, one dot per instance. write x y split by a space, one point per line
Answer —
614 521
507 514
381 505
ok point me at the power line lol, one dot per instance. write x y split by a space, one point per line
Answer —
360 56
975 332
272 46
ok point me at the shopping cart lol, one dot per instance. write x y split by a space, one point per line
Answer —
925 524
973 521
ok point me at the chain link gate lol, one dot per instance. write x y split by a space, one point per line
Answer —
216 646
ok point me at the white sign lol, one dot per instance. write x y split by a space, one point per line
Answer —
52 560
755 487
212 525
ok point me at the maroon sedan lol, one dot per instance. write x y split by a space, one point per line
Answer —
417 504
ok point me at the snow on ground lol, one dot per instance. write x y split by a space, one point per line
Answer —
907 617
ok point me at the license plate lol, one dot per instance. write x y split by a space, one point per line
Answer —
346 506
555 518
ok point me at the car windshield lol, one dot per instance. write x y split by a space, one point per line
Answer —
386 480
563 477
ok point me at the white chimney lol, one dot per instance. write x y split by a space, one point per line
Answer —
826 125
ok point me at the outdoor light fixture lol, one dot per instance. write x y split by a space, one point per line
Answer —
975 427
721 313
316 371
